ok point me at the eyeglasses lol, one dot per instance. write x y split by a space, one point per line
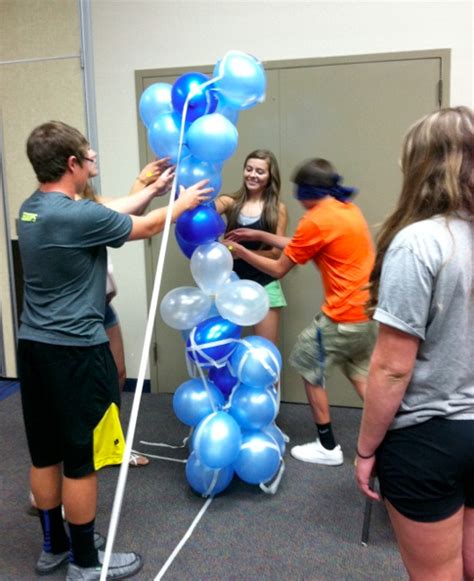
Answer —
89 159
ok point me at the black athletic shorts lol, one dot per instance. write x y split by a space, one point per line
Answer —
427 471
71 399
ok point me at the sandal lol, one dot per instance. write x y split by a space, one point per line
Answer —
138 460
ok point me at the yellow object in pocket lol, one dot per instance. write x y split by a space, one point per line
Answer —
109 441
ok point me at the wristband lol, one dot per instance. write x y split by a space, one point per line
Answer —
364 457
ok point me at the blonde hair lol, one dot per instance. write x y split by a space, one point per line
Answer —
438 178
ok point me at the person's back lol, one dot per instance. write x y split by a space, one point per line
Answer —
335 236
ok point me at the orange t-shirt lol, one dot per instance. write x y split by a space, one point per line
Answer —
336 237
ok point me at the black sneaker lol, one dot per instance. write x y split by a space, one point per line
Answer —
49 562
121 566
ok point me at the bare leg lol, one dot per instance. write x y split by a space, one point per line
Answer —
269 327
80 498
360 385
116 346
430 551
318 401
468 544
46 486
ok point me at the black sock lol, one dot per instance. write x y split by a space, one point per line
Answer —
55 539
84 553
326 437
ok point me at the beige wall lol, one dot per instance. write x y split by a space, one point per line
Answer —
40 79
140 34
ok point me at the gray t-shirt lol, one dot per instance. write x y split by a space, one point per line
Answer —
426 290
64 257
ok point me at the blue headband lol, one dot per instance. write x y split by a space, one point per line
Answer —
307 192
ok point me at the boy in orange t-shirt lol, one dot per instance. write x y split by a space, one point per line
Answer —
334 235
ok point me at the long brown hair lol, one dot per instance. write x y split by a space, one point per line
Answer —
271 194
438 178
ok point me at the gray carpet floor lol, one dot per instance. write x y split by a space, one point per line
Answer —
309 530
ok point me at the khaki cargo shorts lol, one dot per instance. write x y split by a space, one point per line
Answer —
325 343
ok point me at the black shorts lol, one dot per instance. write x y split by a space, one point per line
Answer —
427 471
71 399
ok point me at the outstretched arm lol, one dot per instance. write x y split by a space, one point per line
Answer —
276 268
149 174
245 234
138 203
154 222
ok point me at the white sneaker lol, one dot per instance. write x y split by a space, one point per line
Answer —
315 453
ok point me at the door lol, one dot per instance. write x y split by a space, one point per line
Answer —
352 111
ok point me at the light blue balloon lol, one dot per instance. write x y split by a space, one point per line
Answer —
192 170
185 307
256 362
163 136
211 266
244 302
212 138
243 83
155 100
207 481
274 432
192 401
217 440
253 409
259 458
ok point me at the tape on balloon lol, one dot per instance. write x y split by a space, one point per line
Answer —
255 352
198 349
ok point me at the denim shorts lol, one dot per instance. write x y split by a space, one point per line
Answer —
110 318
426 471
326 343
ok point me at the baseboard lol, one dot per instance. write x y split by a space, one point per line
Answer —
131 383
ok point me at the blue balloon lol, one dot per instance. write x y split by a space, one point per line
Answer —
201 347
256 362
192 170
212 138
202 102
224 379
187 248
243 81
225 109
192 401
201 225
217 440
259 458
163 136
155 100
207 481
274 432
253 409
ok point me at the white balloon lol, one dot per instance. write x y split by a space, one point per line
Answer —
243 302
211 265
185 307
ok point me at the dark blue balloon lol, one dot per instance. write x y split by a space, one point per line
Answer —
202 102
259 458
200 344
207 481
224 379
200 225
187 248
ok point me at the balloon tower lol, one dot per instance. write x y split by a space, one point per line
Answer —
231 399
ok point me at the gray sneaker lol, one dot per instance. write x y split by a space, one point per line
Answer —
49 562
121 566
